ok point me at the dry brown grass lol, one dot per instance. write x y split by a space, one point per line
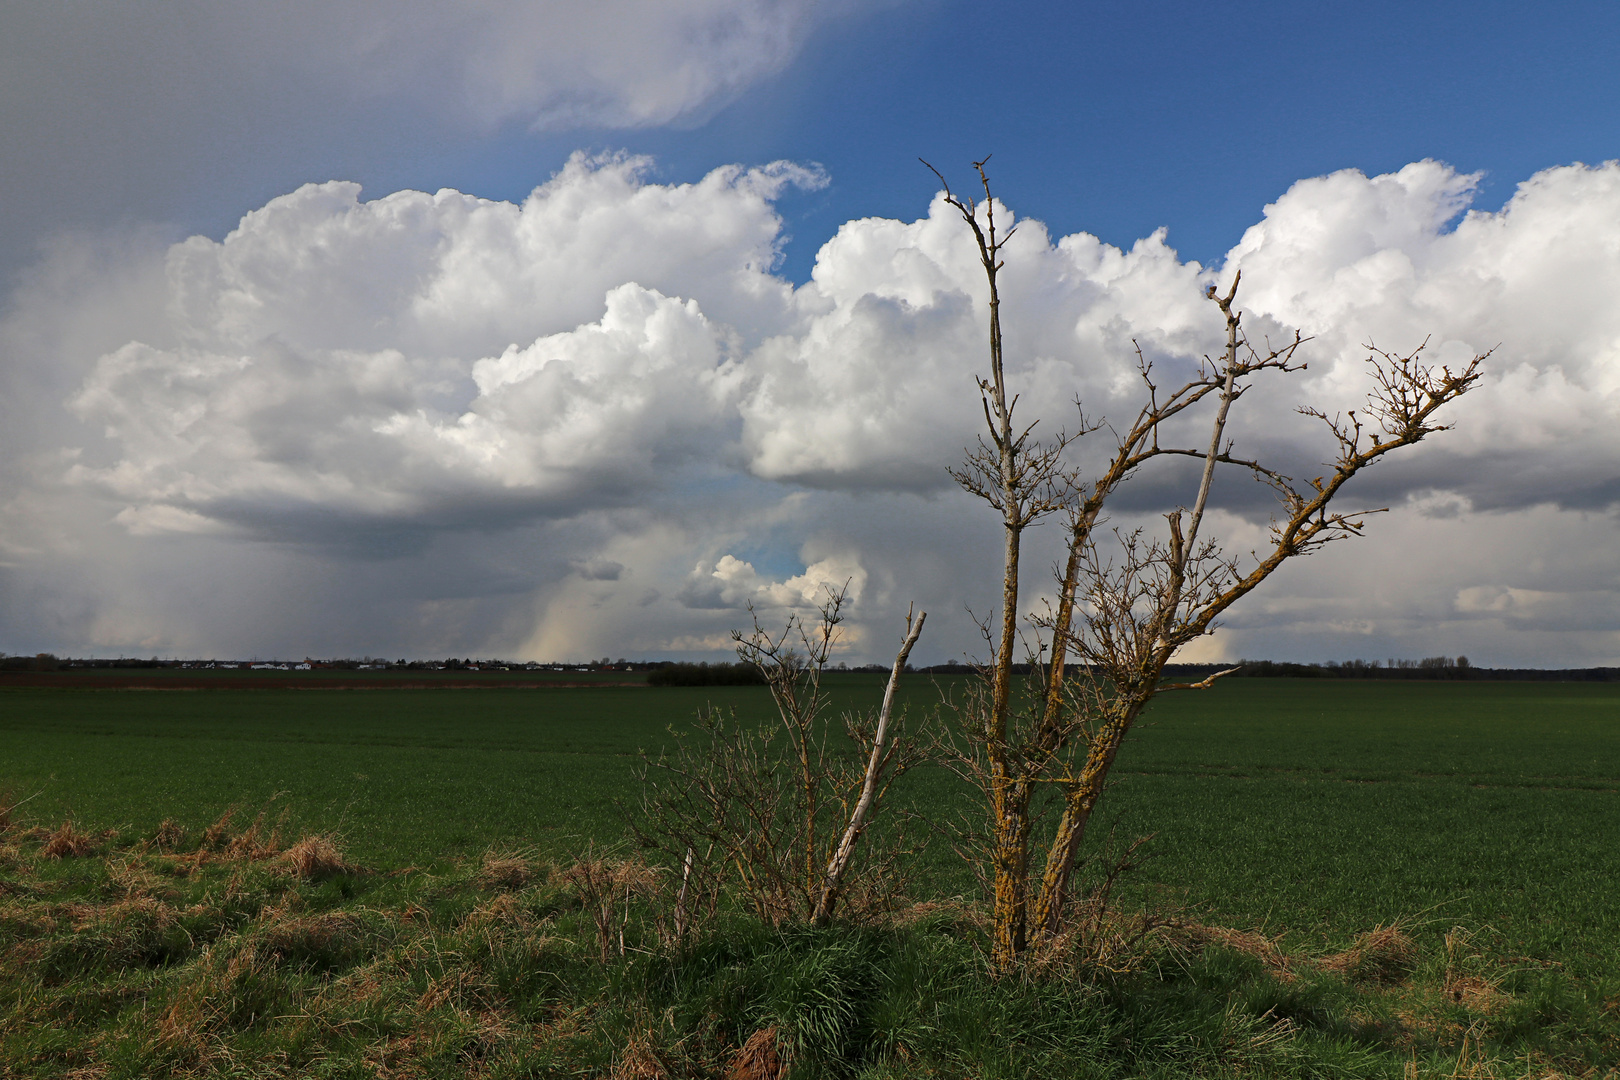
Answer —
189 1030
501 912
315 858
1195 936
760 1058
642 1060
1467 979
332 931
68 842
257 841
1385 955
130 879
506 871
216 834
170 836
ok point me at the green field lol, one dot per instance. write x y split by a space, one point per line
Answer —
1320 808
1310 810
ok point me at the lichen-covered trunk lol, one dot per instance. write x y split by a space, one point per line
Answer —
1010 856
1080 798
1009 794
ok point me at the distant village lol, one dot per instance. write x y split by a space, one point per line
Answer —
1430 668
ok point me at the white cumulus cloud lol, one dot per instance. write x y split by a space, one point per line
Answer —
587 421
408 356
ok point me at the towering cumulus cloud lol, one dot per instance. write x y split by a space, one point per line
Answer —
430 358
600 422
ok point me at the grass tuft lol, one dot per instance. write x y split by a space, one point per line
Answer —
1384 954
759 1058
317 858
68 842
641 1059
505 871
170 836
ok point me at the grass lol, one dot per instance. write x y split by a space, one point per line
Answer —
1299 815
406 776
223 953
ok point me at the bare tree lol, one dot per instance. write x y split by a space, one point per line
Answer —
776 812
1119 619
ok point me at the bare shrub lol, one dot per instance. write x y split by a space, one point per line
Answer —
1096 937
315 858
777 813
605 886
68 842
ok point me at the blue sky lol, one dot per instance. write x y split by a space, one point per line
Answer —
1115 119
145 508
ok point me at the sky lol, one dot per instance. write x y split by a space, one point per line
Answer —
554 331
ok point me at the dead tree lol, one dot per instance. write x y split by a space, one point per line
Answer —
1119 619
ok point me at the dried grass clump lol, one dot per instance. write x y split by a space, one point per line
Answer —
760 1058
316 858
1195 937
1467 979
220 831
1383 955
641 1060
222 982
170 836
129 880
333 939
255 842
508 872
68 843
502 912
